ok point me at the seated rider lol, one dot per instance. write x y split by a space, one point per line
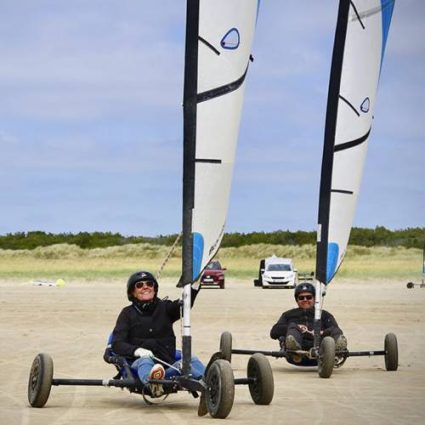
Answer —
294 329
144 332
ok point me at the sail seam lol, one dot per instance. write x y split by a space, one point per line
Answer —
209 45
210 161
350 105
346 192
352 143
222 90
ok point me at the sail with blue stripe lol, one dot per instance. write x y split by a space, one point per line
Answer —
360 40
217 60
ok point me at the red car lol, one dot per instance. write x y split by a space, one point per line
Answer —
213 275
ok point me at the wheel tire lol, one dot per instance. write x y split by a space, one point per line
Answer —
259 281
222 286
262 389
391 352
40 380
410 285
220 392
326 360
226 346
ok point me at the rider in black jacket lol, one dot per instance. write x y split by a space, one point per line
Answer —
144 330
294 329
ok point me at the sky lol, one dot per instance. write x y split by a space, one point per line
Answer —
91 120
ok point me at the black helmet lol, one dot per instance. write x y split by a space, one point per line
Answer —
140 277
304 287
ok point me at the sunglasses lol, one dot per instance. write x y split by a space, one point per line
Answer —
142 283
305 297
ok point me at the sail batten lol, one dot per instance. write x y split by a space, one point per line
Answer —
352 143
360 39
221 91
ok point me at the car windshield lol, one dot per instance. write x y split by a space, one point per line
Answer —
279 268
215 265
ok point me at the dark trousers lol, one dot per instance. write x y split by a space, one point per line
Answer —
306 339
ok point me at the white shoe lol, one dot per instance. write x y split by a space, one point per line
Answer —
157 372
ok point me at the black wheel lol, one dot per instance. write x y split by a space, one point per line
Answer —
410 285
326 360
220 389
262 387
391 352
40 380
226 346
257 282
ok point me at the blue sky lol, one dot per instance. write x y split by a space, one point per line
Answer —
91 118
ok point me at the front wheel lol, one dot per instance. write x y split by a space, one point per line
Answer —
260 373
326 360
226 346
391 352
410 285
40 380
220 392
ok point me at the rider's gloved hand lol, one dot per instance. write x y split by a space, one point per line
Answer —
142 352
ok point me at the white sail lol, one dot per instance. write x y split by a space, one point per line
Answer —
360 40
226 32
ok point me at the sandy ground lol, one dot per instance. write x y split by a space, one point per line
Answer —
72 325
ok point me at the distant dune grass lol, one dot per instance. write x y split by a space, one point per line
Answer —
72 262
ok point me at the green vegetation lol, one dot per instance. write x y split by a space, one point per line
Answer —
32 240
72 262
380 236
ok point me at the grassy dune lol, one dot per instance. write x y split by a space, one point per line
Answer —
72 262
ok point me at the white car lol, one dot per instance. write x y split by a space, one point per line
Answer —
276 272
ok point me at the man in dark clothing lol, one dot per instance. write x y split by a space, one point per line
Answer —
294 329
144 331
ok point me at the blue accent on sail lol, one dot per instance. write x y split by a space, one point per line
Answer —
258 10
198 252
333 251
387 12
231 39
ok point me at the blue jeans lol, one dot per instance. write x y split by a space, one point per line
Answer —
144 365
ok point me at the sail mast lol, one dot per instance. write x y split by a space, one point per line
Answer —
189 148
329 143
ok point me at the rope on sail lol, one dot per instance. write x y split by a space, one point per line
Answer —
170 253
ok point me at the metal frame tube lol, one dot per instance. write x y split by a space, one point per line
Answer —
266 353
121 383
317 314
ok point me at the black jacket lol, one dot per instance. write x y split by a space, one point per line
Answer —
300 316
149 326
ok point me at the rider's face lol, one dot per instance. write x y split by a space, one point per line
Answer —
144 291
305 300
